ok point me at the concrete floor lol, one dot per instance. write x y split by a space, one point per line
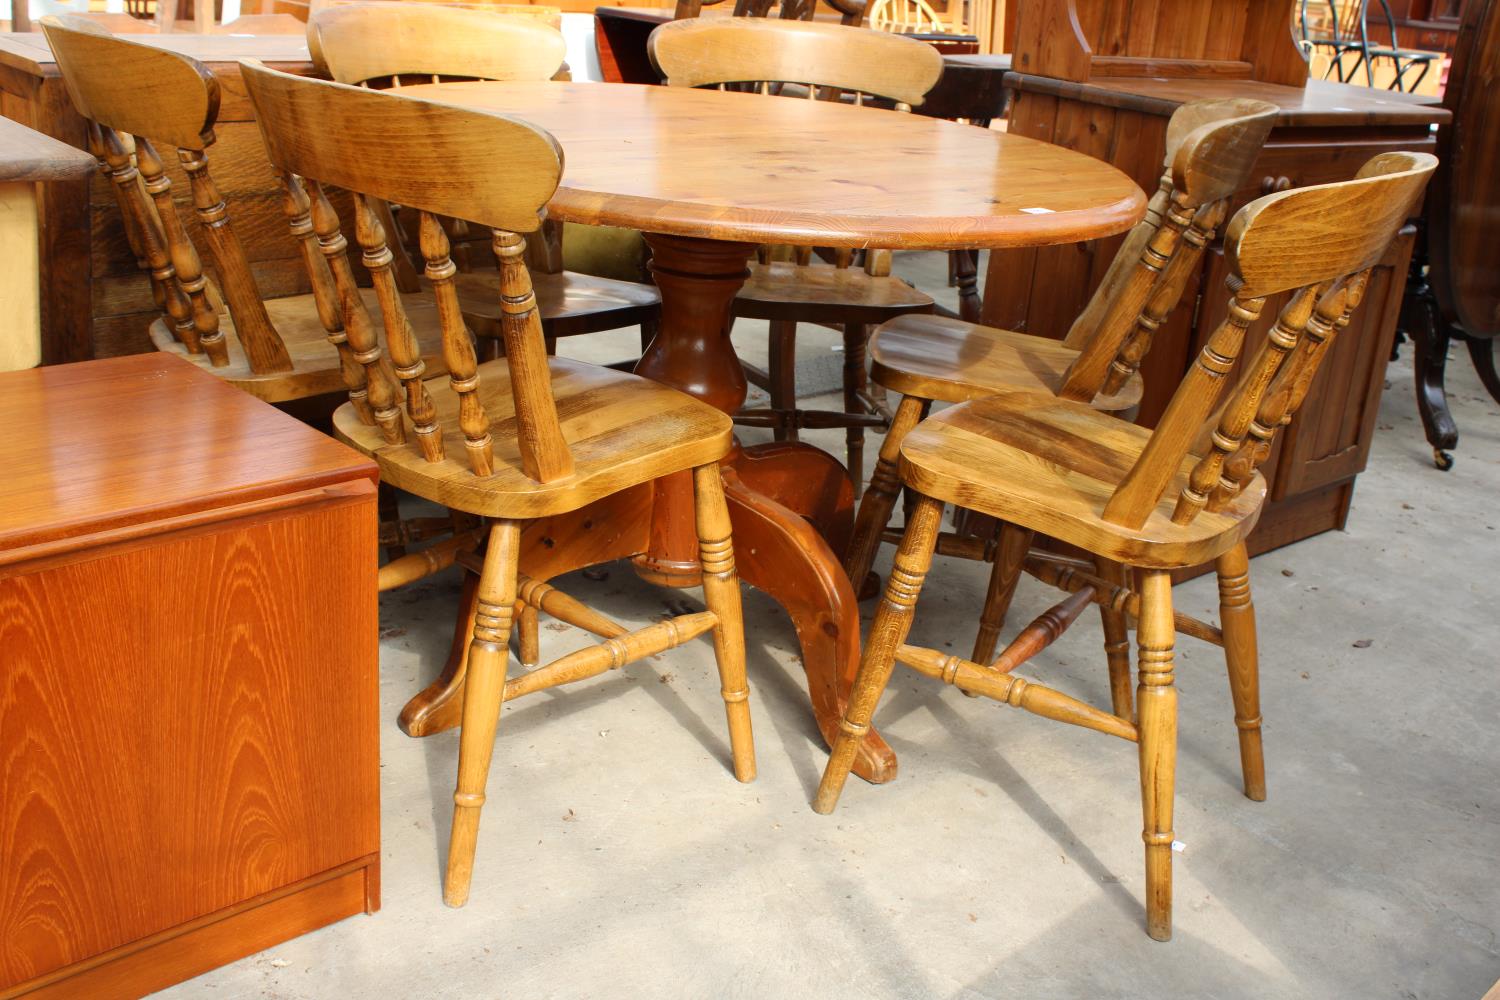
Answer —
619 858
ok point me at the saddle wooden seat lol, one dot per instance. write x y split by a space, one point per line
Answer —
278 349
378 45
537 435
1052 465
620 428
315 361
829 61
940 358
1211 146
1143 503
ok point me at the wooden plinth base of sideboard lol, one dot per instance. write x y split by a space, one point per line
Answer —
196 947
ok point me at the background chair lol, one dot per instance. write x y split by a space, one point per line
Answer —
279 349
1177 497
380 45
1211 147
510 440
827 61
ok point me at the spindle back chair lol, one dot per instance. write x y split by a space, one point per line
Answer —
386 45
134 96
539 435
1210 149
830 62
1148 501
827 59
389 43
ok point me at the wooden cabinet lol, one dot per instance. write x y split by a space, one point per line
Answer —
95 300
189 752
1110 96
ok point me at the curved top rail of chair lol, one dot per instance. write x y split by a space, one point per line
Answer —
743 167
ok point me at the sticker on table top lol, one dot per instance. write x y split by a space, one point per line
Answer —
1036 211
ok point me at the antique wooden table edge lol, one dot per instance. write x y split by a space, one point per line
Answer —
791 503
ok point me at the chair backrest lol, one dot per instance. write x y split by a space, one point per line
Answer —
134 94
830 58
362 42
1211 146
1317 243
438 160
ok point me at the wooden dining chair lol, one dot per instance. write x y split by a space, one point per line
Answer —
1211 147
380 45
279 349
511 440
1177 497
827 61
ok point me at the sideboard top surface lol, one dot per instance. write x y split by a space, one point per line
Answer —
108 444
1320 103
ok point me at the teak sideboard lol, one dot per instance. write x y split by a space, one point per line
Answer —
95 300
189 683
1103 77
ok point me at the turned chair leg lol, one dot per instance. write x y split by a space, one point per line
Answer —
721 593
484 689
856 335
1156 700
528 638
880 499
892 622
1116 641
782 371
1010 557
1237 619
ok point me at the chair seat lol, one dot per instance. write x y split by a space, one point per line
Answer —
934 357
1051 465
817 293
569 303
315 362
622 430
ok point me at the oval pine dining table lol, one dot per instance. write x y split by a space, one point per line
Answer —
706 176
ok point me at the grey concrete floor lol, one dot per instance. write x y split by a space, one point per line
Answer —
619 858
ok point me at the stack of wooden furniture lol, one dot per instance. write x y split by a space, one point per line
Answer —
1104 77
189 704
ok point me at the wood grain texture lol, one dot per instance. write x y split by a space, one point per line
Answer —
604 421
365 41
762 172
239 755
709 51
1321 102
1060 462
938 358
122 405
29 156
